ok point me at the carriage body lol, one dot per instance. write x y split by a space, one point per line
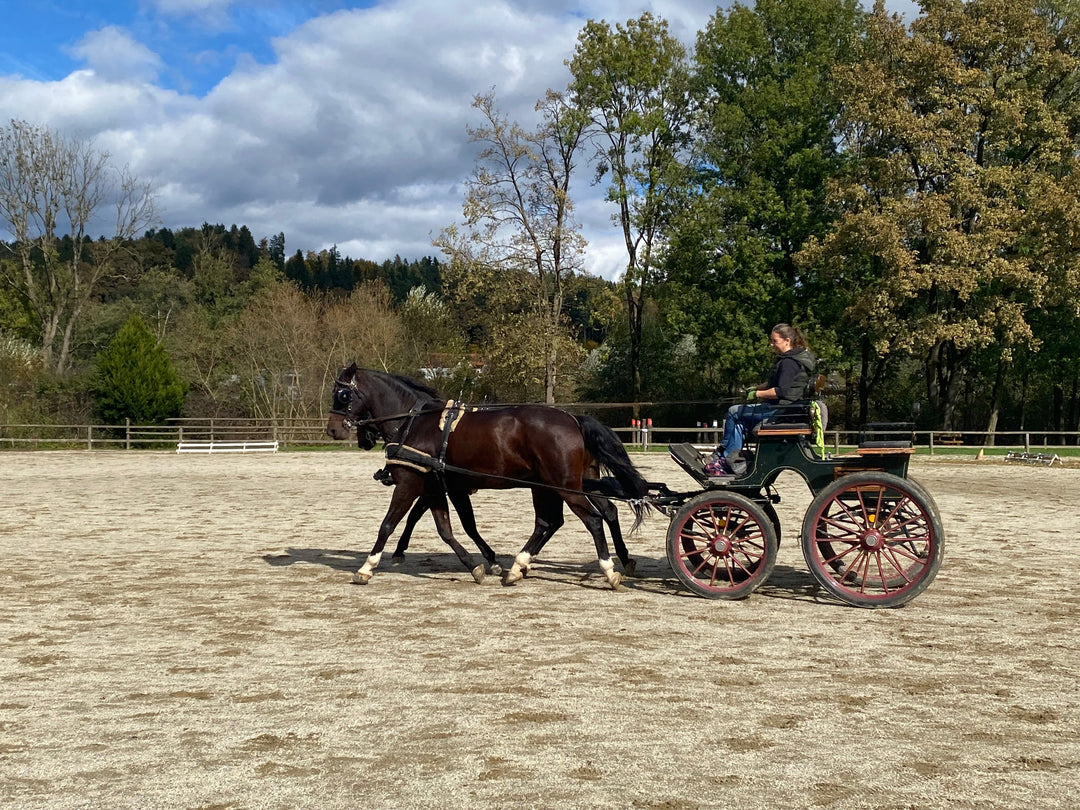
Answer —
871 537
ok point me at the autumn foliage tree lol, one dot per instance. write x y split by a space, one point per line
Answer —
519 227
963 132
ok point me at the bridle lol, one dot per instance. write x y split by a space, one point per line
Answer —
347 401
350 404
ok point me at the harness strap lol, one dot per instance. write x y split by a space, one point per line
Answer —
448 421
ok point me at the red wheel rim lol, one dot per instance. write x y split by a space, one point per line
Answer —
721 546
874 541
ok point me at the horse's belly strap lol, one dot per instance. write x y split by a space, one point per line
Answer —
405 456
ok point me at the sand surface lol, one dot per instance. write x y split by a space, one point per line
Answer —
181 632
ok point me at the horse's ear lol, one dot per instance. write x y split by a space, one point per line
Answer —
350 369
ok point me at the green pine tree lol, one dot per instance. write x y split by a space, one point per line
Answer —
134 379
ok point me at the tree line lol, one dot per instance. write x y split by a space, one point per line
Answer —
907 194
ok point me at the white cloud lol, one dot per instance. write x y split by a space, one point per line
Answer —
191 6
115 56
353 134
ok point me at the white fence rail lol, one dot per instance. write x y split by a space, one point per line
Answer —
227 447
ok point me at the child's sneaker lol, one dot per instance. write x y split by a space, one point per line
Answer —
716 466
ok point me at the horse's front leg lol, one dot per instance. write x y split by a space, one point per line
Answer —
417 512
405 492
463 504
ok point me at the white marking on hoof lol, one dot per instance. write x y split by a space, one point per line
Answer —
523 559
478 574
366 570
613 576
496 570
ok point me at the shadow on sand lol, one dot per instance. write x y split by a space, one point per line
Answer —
652 575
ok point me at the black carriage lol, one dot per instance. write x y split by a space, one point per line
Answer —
872 537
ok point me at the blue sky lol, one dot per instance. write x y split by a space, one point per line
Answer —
194 43
336 122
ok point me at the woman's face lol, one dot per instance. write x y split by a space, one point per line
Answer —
778 343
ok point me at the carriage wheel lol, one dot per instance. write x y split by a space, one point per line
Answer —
873 539
721 545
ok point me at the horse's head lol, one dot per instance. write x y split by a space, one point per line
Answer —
348 409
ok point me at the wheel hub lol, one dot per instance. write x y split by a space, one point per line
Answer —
720 545
873 540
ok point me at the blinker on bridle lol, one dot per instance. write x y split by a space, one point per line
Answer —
344 395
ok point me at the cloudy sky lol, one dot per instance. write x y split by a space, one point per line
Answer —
335 122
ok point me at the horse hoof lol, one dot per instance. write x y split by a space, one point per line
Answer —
630 568
397 559
478 574
512 576
496 570
615 580
360 579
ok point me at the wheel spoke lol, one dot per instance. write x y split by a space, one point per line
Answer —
890 556
847 531
839 557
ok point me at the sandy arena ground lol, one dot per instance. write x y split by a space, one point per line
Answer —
181 632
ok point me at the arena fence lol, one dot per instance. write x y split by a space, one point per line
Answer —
310 433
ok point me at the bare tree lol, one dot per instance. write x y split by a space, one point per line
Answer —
519 213
51 187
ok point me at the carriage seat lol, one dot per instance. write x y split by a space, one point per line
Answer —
884 436
805 420
799 418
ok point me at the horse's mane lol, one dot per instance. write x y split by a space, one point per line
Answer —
400 381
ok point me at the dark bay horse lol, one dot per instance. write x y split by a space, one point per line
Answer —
463 504
495 447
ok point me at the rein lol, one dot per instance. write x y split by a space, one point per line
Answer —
376 420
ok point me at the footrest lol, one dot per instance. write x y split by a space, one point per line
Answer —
687 457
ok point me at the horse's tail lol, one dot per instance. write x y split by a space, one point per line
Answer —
608 450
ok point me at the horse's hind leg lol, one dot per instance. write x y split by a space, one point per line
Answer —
549 517
463 505
591 516
610 513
